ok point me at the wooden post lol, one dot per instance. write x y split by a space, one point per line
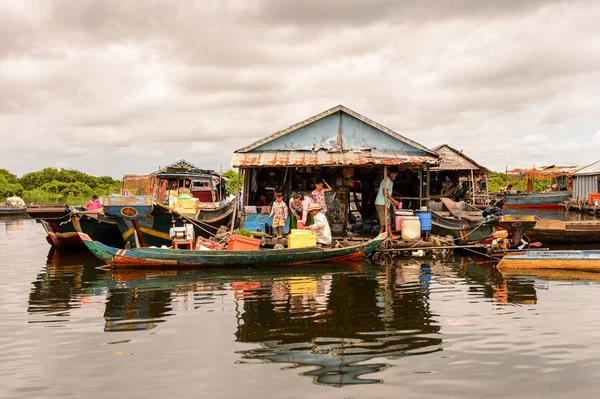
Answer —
420 173
427 190
237 199
473 186
385 199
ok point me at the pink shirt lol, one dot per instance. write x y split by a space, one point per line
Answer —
320 199
93 204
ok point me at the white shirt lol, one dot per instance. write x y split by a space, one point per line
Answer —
321 229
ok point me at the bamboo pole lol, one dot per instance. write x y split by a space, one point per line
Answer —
473 186
385 199
237 199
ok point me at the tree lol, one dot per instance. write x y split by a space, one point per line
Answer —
232 177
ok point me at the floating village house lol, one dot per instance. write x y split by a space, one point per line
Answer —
586 181
456 176
349 151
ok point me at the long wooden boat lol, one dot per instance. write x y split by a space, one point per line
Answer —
176 258
551 199
465 223
63 223
143 222
11 210
565 260
462 231
565 232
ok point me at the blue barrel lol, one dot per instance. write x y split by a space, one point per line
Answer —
425 219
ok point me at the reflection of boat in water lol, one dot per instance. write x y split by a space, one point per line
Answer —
173 258
553 274
62 284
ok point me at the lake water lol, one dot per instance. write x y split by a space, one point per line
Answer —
410 330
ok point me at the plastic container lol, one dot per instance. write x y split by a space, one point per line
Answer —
424 219
411 228
255 226
301 239
242 243
592 198
398 218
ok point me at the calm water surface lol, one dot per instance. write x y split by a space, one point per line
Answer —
410 330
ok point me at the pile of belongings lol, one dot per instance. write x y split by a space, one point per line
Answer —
15 202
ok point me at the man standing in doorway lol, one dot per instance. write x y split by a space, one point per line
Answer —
383 201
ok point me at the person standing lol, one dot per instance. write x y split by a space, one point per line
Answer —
321 226
318 194
383 201
279 213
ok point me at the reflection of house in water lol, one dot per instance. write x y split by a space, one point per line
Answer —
353 321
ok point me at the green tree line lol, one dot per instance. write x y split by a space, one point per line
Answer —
52 182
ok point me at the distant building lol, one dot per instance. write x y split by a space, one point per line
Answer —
586 181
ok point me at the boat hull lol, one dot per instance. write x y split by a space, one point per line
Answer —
62 226
461 231
9 210
564 260
537 200
151 224
177 258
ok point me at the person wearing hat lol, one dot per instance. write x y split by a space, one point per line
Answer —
321 226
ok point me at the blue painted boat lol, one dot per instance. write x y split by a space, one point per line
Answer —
11 210
551 199
565 260
176 258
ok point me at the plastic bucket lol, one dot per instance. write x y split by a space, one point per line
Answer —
411 228
398 223
424 219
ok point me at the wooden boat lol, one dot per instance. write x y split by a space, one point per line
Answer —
551 199
12 206
63 223
143 222
460 220
565 260
565 232
179 193
465 223
11 210
175 258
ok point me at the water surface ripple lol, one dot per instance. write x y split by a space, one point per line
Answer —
411 329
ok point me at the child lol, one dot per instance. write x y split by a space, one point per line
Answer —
319 194
279 212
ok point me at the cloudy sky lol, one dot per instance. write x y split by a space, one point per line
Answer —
115 87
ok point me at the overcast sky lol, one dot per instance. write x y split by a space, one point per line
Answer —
115 87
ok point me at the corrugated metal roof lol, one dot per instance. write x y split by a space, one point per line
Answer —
593 169
339 108
452 159
325 158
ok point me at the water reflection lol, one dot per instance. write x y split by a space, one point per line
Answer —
336 323
494 285
62 284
